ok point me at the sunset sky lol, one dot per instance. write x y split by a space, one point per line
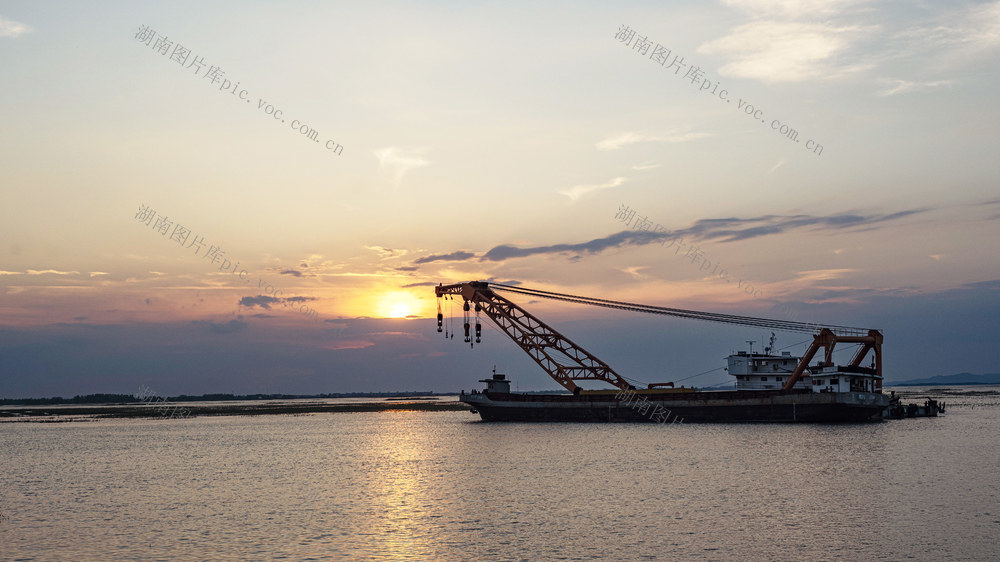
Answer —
513 141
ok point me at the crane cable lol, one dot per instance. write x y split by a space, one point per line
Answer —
782 325
656 310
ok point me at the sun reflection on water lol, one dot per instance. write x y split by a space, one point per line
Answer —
402 486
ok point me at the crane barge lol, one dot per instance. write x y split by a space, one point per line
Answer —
769 387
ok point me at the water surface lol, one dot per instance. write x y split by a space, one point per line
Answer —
446 486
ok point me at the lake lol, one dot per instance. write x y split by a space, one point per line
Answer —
443 485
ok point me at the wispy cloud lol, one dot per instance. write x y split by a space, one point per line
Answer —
578 191
398 161
265 302
965 29
982 27
814 275
792 41
785 51
792 8
11 28
719 230
454 256
624 139
904 86
384 253
634 271
51 272
641 167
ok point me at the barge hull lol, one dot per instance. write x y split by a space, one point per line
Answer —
701 407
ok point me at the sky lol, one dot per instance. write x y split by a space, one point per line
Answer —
258 197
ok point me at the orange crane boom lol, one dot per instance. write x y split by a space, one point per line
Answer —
556 354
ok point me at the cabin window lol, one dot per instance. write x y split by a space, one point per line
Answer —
778 379
815 382
763 379
834 381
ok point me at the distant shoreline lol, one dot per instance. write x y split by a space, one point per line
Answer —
43 414
939 384
106 399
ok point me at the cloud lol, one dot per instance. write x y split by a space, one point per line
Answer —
595 246
98 273
792 41
903 86
785 51
262 301
992 285
822 274
641 167
231 327
350 344
577 191
421 284
792 9
51 271
967 31
11 28
292 272
386 252
721 230
625 139
982 27
634 271
11 273
265 301
454 256
398 161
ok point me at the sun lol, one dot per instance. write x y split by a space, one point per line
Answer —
399 310
398 304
